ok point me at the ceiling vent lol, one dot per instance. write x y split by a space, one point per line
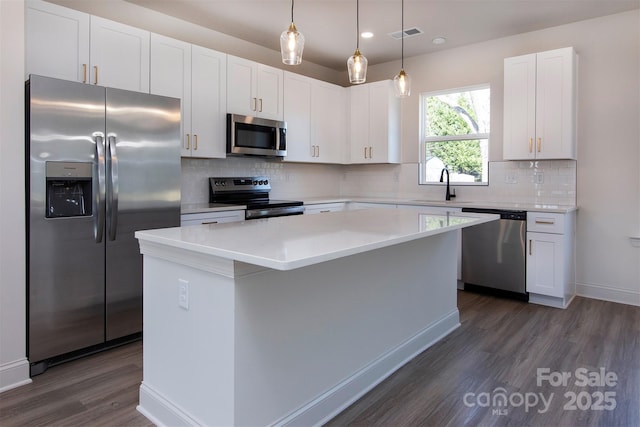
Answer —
409 32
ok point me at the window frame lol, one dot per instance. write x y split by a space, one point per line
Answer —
423 139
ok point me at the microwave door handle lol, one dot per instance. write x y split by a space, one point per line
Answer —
112 188
99 188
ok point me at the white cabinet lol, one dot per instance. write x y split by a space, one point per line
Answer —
374 123
57 41
211 217
254 89
315 116
119 55
324 208
550 258
197 76
540 105
70 45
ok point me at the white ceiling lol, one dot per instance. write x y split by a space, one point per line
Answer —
329 26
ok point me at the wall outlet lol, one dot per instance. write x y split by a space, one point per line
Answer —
538 177
183 294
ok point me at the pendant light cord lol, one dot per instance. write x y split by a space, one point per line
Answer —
292 10
357 24
402 40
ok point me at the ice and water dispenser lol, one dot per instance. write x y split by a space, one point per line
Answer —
69 189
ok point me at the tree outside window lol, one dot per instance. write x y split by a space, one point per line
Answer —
455 135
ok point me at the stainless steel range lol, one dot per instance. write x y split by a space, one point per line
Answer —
253 192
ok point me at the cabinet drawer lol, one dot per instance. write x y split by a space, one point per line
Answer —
542 222
211 217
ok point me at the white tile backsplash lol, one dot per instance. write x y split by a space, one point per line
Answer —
551 182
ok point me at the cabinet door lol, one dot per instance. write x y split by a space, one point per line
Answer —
269 92
57 41
170 75
519 107
555 104
384 123
328 124
119 55
241 82
359 124
545 264
208 102
297 109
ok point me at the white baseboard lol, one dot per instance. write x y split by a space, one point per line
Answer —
608 294
14 374
331 403
163 412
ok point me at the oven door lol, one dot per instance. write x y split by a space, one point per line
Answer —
270 212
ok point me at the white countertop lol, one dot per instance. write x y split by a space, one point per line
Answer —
286 243
529 207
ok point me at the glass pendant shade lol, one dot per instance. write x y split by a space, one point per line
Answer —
402 84
357 66
291 45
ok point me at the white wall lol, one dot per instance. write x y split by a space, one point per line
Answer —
14 369
608 166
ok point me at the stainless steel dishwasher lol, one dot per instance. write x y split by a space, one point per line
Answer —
493 254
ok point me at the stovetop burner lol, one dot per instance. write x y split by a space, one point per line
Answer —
254 193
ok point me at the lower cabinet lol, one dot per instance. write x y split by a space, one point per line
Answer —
211 217
550 258
324 208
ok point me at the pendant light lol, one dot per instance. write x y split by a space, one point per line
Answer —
291 43
402 81
357 64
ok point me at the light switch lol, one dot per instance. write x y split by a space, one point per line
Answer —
183 294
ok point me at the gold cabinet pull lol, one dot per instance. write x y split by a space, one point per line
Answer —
530 145
195 141
255 104
539 144
188 147
318 152
95 74
530 247
365 152
371 152
260 110
84 73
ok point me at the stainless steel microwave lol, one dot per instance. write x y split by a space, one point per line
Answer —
256 136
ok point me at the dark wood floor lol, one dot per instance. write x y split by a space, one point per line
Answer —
500 345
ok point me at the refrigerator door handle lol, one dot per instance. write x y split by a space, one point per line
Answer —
112 188
98 224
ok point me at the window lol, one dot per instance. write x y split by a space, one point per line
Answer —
455 134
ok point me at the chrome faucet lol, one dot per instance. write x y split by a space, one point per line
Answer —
448 194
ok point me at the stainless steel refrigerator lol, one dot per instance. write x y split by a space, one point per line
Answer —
101 163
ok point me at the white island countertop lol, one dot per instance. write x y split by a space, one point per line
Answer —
287 243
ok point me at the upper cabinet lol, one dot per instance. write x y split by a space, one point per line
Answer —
374 123
71 45
315 114
119 55
197 76
254 89
57 41
540 105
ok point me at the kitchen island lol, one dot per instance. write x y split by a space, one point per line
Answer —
288 320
